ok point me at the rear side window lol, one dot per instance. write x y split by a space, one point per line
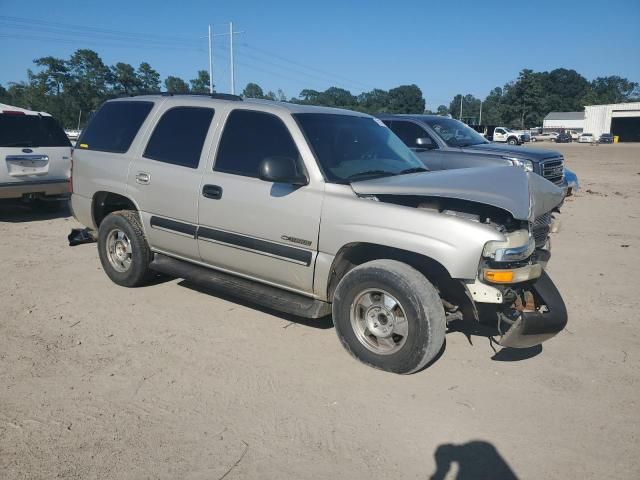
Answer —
408 132
249 137
114 126
31 131
179 136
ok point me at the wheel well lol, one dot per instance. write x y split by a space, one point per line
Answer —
106 202
355 254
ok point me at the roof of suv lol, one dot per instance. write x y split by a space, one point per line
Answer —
4 108
412 116
270 104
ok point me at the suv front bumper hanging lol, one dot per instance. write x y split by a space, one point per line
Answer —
534 327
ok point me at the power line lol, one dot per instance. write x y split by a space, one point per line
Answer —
19 22
75 41
312 78
299 64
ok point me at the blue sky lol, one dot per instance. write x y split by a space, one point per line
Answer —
444 47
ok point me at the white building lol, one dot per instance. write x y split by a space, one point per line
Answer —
621 119
556 121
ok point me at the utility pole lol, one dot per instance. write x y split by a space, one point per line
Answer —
210 62
461 97
233 80
480 121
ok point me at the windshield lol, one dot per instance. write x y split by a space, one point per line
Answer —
351 148
454 133
31 131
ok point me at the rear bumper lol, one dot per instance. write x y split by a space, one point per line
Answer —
36 187
533 328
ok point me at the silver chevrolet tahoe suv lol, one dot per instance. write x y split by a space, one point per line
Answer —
315 211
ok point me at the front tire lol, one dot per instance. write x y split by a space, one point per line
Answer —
389 316
123 249
512 141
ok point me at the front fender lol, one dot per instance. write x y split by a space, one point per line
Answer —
453 242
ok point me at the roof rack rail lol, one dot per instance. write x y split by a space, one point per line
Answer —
218 96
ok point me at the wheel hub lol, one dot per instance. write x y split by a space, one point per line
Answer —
379 321
119 251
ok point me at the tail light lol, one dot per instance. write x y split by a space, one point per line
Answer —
71 173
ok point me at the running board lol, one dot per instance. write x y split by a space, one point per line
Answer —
248 290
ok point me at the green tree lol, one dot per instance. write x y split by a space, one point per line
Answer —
492 108
87 85
125 79
176 85
310 96
253 90
149 78
406 99
443 110
200 84
613 89
375 101
526 102
54 73
470 108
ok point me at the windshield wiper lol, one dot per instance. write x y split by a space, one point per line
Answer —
369 173
414 170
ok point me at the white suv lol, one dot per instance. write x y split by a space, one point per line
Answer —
35 156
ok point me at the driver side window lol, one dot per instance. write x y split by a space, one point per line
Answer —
409 132
248 138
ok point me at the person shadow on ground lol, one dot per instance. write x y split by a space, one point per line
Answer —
475 460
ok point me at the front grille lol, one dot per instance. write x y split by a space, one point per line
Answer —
553 170
541 228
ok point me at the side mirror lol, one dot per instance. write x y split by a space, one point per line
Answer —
282 170
425 142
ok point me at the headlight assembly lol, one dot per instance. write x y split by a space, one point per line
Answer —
519 245
527 165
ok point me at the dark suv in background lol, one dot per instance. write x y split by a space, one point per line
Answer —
444 143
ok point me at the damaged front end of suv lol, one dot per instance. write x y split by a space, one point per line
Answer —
510 288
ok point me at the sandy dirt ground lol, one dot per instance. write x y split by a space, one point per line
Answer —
99 381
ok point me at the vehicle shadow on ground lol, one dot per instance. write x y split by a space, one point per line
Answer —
18 212
474 330
320 323
474 460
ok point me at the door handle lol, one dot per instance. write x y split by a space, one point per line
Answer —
143 178
212 191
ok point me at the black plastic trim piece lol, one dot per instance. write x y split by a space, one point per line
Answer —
34 182
245 289
533 328
174 226
250 243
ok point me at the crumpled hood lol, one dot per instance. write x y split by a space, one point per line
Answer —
524 195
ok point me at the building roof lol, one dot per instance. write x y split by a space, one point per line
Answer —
565 116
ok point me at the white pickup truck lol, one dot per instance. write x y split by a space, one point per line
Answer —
506 135
35 157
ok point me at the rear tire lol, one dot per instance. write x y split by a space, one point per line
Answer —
389 316
123 249
512 141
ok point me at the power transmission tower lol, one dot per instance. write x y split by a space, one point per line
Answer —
211 35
